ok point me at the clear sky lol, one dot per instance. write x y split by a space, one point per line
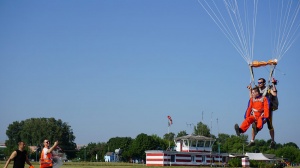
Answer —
119 67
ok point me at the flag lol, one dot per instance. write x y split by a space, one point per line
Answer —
170 122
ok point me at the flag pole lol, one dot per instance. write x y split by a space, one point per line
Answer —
169 135
169 124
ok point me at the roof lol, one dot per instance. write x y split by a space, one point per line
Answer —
236 155
270 156
195 137
256 156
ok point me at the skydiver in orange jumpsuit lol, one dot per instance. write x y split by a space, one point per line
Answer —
257 111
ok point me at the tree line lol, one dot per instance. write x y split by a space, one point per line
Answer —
34 130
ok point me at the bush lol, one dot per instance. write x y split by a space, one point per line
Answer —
235 162
259 164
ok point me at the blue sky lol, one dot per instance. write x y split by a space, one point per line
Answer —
119 68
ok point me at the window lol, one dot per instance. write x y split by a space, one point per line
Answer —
172 158
201 144
193 158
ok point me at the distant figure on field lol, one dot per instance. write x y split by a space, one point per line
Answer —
46 155
19 157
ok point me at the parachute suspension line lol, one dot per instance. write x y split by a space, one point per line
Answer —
287 29
278 33
247 32
221 23
283 28
281 72
237 39
246 40
272 42
288 43
254 27
238 27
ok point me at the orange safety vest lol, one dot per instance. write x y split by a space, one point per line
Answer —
46 162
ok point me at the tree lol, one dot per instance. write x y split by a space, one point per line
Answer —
142 143
234 144
181 133
202 129
223 137
221 141
290 152
124 143
169 136
101 149
291 144
34 130
88 152
161 144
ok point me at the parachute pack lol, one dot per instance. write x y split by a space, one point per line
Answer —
273 100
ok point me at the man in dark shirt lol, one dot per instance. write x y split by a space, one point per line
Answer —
19 156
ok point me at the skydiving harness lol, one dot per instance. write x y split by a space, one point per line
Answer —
272 64
256 110
256 64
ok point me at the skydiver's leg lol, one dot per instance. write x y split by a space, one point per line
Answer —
246 123
251 143
254 132
270 125
259 123
271 129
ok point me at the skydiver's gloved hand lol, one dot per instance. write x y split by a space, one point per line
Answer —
274 81
249 87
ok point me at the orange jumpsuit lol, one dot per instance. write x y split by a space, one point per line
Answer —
257 111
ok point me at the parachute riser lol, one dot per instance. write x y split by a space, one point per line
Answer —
252 83
270 78
272 65
271 73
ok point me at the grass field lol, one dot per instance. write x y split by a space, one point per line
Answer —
91 165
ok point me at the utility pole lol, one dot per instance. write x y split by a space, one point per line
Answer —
84 153
211 137
202 124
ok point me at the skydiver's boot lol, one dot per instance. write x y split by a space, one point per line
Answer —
237 129
251 143
272 144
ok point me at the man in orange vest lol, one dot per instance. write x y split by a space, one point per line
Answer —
46 155
257 111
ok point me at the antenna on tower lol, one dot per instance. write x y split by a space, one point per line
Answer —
190 125
202 124
211 123
218 127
